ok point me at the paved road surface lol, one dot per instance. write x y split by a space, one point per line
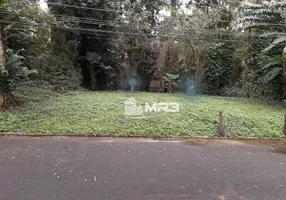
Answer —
88 169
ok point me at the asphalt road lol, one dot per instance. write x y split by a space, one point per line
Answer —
88 169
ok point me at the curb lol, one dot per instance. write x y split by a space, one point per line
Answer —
166 138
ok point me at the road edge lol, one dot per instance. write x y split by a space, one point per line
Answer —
169 138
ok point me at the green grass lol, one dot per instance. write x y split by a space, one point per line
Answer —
103 113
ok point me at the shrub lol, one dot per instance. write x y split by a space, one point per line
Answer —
217 68
234 91
14 73
58 71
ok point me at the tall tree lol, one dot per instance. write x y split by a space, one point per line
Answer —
93 57
136 46
2 51
266 19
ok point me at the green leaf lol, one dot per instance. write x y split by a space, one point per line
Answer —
275 43
278 59
4 73
272 34
271 64
272 74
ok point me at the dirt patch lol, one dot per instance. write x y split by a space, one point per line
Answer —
273 146
281 150
277 146
197 142
266 142
201 142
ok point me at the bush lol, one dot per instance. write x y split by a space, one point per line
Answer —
217 68
234 91
58 71
15 73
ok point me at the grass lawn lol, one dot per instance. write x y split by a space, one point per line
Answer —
103 113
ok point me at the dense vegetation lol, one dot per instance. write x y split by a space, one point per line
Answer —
230 48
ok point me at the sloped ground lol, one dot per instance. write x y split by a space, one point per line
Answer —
103 113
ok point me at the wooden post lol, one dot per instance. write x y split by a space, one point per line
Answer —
221 129
284 128
170 87
2 101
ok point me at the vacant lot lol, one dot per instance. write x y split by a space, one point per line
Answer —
103 113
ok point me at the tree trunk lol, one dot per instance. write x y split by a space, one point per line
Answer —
246 85
247 78
207 6
2 51
174 7
284 74
93 82
248 66
284 67
2 60
170 87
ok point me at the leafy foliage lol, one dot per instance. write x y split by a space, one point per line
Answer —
21 35
15 73
172 78
136 52
135 40
217 66
57 71
267 19
90 51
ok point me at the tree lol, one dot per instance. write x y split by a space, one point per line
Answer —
265 18
14 75
137 51
91 48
